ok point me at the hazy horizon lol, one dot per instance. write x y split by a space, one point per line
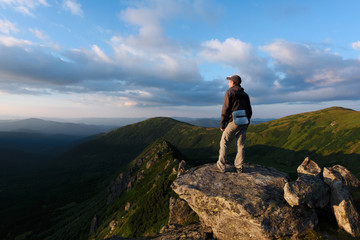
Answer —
267 113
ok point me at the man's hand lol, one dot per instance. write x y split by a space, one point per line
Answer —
221 129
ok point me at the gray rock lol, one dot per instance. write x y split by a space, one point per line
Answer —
179 211
121 238
309 167
182 167
249 205
342 174
309 190
344 210
191 232
117 186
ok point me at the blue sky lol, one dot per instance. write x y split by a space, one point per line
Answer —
72 58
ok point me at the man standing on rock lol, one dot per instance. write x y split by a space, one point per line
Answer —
235 118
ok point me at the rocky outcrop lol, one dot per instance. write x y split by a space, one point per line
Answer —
127 179
341 180
117 186
179 211
315 191
182 167
343 207
191 232
309 190
342 174
174 232
249 205
309 167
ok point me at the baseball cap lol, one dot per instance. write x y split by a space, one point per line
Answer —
235 78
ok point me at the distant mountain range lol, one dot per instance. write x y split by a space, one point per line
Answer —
34 125
59 199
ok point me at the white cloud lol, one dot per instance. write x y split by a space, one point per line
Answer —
242 56
7 27
11 41
312 74
25 7
39 34
148 19
318 66
231 51
97 55
148 49
73 6
356 45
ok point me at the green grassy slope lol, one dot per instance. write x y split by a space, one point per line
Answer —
330 136
148 197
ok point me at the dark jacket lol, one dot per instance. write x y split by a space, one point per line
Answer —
235 99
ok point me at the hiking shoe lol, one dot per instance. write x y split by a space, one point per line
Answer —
239 170
220 167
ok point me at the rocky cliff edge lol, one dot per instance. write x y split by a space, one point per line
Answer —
249 205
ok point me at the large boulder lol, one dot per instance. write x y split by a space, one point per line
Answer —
309 167
249 205
343 207
342 174
309 190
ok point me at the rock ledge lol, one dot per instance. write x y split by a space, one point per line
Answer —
249 205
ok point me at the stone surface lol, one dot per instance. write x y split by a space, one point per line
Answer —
344 210
309 190
179 211
249 205
121 238
117 186
309 167
191 232
342 174
174 232
182 167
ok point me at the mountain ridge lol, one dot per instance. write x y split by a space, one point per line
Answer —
329 135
